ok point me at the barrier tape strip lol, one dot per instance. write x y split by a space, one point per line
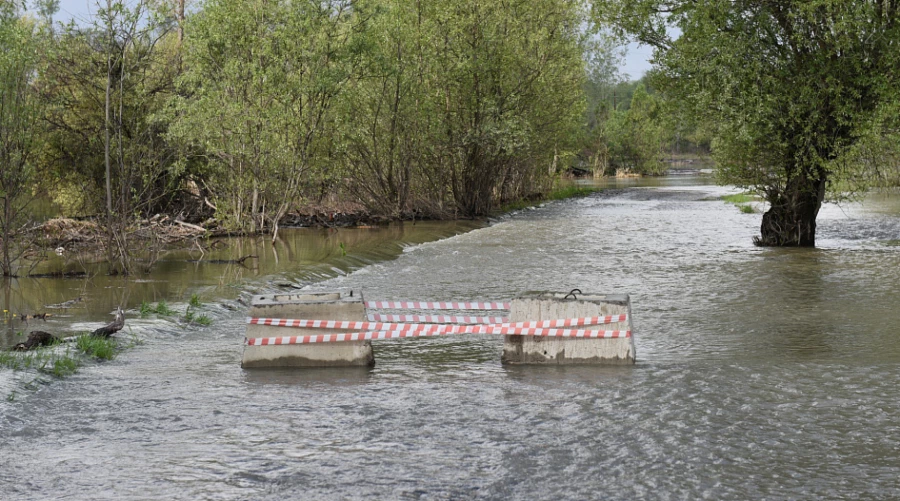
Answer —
436 319
441 305
447 329
384 326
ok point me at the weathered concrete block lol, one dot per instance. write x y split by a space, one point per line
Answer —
557 350
309 306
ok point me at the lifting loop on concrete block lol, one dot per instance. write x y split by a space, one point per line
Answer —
572 293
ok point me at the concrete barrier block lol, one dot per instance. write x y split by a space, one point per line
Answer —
553 350
309 306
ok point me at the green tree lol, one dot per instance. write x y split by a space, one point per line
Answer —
509 94
105 85
637 135
385 113
260 81
20 130
789 89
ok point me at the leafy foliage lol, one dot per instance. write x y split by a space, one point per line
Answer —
20 130
790 90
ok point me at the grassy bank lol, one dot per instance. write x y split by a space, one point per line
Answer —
559 193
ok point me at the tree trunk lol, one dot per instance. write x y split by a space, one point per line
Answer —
180 16
791 219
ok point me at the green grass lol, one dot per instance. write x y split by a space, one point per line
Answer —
741 201
161 308
559 193
195 301
739 198
103 348
65 366
47 359
191 317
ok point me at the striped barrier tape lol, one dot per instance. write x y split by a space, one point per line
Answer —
385 326
441 305
436 319
448 329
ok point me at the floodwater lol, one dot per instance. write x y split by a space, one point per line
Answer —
207 269
761 374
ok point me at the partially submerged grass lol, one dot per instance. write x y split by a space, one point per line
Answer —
738 198
571 191
191 317
559 193
741 201
104 348
62 358
161 308
51 359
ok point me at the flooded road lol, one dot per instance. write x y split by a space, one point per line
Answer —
761 374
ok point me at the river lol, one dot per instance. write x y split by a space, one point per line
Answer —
761 373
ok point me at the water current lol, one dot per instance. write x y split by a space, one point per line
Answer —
761 374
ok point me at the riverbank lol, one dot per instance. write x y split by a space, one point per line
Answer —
167 232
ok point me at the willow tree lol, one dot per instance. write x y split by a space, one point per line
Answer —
789 89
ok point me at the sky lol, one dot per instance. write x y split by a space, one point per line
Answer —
636 62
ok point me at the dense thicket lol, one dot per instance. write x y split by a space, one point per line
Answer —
245 110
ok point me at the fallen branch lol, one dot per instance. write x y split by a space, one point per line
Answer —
191 226
113 327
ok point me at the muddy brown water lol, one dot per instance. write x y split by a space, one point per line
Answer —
762 373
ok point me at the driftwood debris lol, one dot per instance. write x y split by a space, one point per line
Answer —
35 339
239 261
191 226
112 327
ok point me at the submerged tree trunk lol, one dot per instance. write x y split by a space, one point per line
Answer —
791 219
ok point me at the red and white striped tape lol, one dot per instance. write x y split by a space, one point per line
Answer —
385 326
436 319
441 305
446 329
